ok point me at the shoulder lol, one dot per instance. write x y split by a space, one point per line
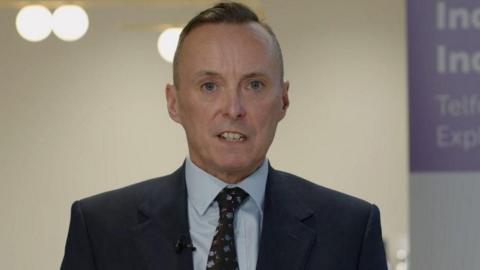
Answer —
346 226
123 197
321 199
123 203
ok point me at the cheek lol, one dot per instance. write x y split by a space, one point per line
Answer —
267 117
190 107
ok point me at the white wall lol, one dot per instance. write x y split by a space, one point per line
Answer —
80 118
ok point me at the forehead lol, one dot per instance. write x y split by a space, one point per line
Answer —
224 47
224 32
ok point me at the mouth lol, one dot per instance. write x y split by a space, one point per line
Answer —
231 136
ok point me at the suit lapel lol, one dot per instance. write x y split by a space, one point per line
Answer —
286 241
163 218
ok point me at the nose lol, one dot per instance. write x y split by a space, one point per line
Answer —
233 106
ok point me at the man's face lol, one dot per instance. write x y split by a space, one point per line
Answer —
229 98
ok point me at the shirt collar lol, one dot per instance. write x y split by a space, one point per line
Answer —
203 187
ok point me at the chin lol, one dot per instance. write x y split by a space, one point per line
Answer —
235 164
231 165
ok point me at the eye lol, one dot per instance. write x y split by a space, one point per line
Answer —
208 86
255 85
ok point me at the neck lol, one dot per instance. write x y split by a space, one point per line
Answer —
230 176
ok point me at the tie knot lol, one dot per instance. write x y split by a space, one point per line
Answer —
231 198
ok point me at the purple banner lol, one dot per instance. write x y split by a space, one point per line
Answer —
444 85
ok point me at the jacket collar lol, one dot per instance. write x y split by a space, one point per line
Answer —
163 220
286 240
285 243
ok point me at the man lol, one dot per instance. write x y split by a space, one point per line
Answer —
225 207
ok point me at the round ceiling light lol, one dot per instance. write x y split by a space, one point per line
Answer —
34 23
167 43
70 22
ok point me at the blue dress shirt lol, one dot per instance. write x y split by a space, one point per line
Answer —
203 214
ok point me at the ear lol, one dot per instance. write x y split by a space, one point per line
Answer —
285 99
172 104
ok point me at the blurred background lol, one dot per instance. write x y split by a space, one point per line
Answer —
86 115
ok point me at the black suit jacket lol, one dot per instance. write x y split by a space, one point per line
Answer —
305 226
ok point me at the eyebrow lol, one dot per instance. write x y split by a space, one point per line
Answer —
253 75
216 74
205 73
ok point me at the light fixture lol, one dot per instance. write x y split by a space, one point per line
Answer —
34 23
70 22
167 43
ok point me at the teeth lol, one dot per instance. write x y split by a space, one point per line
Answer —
230 136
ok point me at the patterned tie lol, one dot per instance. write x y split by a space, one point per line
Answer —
223 255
